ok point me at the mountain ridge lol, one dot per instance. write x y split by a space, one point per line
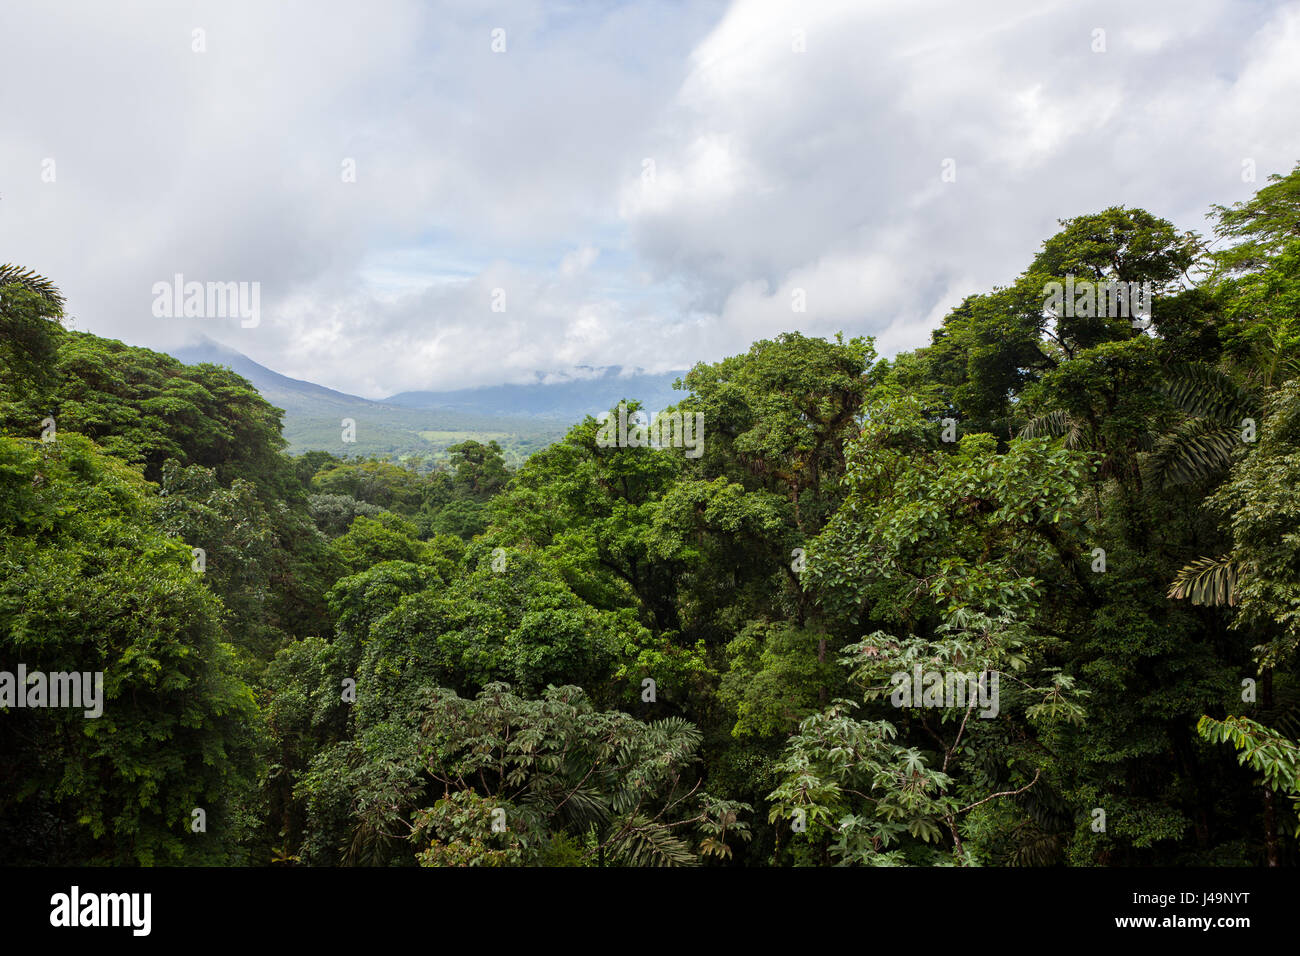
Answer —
522 418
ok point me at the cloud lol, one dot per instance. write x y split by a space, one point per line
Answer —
817 165
578 261
647 185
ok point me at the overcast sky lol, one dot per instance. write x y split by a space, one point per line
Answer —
647 183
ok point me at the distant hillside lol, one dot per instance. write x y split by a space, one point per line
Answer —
521 418
566 401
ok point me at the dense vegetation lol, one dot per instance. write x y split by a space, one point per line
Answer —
626 655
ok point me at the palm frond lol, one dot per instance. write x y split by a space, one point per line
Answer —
1205 392
1207 581
646 843
582 808
1284 715
1195 449
1055 424
1051 425
11 274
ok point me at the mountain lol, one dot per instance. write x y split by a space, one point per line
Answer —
291 394
521 418
566 401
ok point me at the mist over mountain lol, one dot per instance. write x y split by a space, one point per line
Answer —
566 401
522 418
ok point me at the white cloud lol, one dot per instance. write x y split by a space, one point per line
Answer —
578 261
773 170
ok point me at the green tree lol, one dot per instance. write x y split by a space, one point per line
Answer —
89 585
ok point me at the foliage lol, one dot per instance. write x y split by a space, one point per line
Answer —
1076 531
